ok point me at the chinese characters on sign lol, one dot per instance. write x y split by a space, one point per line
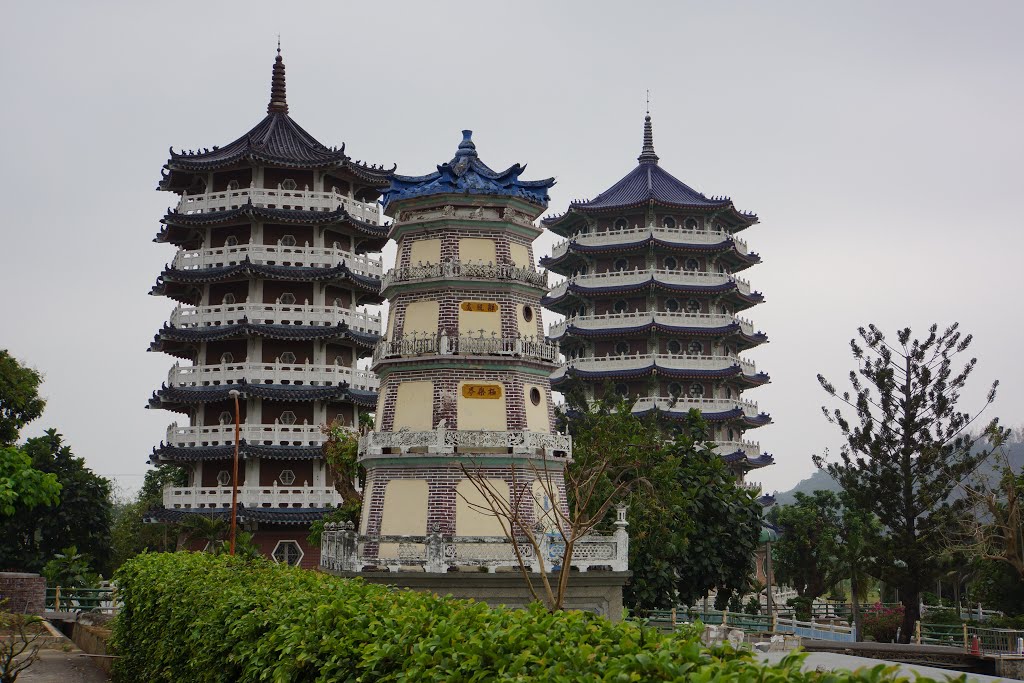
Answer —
481 391
480 306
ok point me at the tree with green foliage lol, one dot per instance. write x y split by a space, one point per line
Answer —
806 556
129 533
907 447
19 397
22 487
81 517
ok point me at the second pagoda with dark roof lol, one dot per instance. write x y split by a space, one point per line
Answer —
652 302
274 233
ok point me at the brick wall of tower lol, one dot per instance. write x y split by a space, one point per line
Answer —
450 234
448 308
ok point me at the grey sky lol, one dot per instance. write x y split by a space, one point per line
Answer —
880 143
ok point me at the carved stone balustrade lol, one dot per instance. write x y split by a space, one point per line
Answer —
259 434
636 234
470 270
666 360
278 255
623 278
274 314
296 200
640 318
481 344
452 441
682 404
271 373
274 496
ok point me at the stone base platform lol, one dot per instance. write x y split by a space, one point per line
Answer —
593 591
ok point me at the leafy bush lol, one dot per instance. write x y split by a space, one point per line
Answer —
881 623
199 617
801 607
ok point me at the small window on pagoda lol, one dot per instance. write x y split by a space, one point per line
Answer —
622 348
584 229
289 184
287 552
528 313
675 389
288 357
288 418
692 306
671 305
675 346
223 478
695 348
621 306
232 185
287 477
728 392
621 224
227 357
288 241
621 264
692 224
535 396
669 222
671 263
288 299
732 435
622 389
696 390
228 299
581 311
230 241
691 264
583 269
226 418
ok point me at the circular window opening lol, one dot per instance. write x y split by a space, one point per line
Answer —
621 224
671 263
622 389
621 264
288 417
675 389
695 348
692 306
692 224
696 390
675 346
227 357
287 477
228 299
691 264
621 306
288 241
528 313
671 305
289 184
287 552
230 241
223 478
535 396
669 222
287 298
622 348
288 357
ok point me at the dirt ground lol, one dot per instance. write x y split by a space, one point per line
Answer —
57 666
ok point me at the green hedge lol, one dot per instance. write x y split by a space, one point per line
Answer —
198 617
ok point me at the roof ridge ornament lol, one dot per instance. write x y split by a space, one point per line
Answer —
647 155
278 99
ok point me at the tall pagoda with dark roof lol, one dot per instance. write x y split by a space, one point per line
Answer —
652 302
271 277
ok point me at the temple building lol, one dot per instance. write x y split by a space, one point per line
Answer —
272 274
652 302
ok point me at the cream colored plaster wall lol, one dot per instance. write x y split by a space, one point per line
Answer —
470 521
477 249
536 415
420 318
520 254
405 508
425 251
414 406
474 321
527 328
482 413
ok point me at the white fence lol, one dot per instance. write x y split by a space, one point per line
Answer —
296 200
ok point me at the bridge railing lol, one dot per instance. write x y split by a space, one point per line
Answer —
70 599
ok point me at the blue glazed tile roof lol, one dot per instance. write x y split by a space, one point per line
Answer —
271 516
466 174
164 453
169 397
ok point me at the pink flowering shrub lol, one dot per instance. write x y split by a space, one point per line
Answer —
881 622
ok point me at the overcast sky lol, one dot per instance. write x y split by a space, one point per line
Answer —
879 142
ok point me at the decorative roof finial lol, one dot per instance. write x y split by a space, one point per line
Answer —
278 99
467 148
647 155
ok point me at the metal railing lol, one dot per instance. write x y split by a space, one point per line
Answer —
483 344
69 599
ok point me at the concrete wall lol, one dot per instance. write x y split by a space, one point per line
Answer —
25 593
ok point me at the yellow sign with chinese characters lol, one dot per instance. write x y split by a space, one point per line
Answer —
481 391
480 306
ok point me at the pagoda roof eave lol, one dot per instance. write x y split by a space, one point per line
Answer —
249 212
198 335
166 454
166 397
642 329
577 290
249 269
647 371
269 516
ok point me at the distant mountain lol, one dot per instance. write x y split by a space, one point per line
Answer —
820 481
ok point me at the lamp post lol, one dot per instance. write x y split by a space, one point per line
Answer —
234 474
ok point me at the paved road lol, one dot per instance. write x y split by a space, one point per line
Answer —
832 661
56 666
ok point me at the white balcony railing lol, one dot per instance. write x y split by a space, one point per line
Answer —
184 317
271 373
274 496
443 440
467 344
458 269
278 255
751 449
664 360
295 200
639 318
258 434
683 404
629 235
625 278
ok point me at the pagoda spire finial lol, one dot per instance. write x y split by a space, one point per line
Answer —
647 155
278 98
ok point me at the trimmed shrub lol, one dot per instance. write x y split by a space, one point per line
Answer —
881 622
198 617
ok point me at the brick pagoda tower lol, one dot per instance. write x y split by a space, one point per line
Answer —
271 272
652 302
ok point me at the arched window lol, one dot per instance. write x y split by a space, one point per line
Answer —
621 306
621 264
230 241
227 357
691 224
621 224
228 299
669 222
584 229
671 305
289 184
232 185
622 348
